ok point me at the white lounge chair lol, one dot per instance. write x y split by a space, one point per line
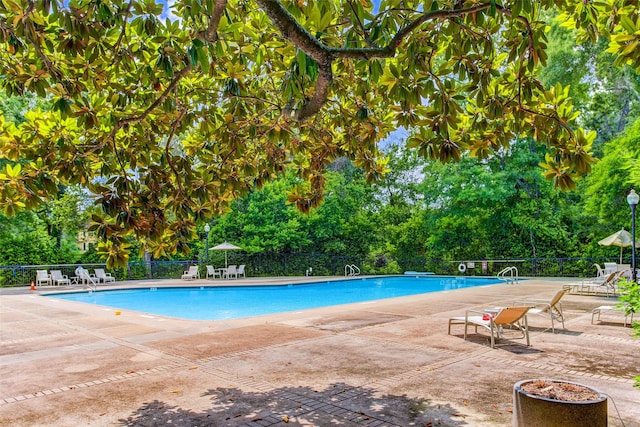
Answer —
551 309
102 276
57 278
192 273
495 322
232 270
600 284
614 308
42 277
240 271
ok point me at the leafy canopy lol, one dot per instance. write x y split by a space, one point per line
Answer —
167 121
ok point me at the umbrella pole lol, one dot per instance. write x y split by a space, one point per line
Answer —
225 260
620 254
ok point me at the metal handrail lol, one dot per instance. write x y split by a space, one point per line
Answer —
512 274
351 270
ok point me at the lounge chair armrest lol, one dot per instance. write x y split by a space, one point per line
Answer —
531 302
480 312
537 300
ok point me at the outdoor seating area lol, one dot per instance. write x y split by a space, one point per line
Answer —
81 276
499 320
229 272
603 284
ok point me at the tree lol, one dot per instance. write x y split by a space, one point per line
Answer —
607 95
167 122
607 187
495 208
344 223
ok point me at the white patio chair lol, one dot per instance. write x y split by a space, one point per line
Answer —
57 278
42 277
551 309
102 276
192 273
232 270
213 272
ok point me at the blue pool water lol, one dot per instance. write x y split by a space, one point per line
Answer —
231 302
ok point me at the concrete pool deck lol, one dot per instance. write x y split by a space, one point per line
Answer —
380 363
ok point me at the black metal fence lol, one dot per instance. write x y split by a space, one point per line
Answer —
298 264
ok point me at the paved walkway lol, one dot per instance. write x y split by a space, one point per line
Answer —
382 363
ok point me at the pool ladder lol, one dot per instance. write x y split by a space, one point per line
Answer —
508 274
351 270
90 283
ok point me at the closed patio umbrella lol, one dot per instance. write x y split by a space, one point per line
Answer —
225 247
620 238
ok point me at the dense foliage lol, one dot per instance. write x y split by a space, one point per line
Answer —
167 121
167 124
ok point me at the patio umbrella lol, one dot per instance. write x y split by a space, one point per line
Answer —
620 238
225 247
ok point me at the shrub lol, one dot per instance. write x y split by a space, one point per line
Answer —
630 303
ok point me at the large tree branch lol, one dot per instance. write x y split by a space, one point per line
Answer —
176 79
302 39
325 55
167 146
211 33
29 30
123 30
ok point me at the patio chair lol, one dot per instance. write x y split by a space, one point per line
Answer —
232 270
57 278
596 285
240 271
192 273
609 286
599 270
549 309
42 277
615 308
507 317
102 276
610 267
213 272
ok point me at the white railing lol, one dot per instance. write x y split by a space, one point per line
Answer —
508 274
351 270
88 280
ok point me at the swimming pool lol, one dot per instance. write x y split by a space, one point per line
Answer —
232 302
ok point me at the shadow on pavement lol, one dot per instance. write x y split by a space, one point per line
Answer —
339 404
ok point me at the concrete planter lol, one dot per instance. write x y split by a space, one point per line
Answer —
530 410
